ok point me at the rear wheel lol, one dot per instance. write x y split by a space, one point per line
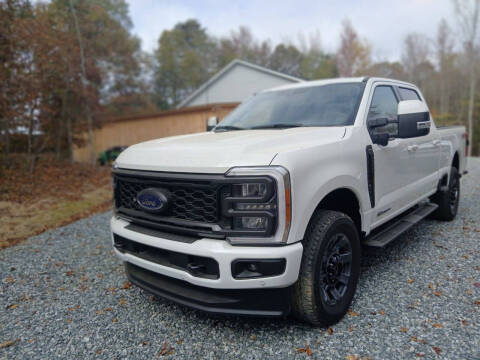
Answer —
448 199
329 271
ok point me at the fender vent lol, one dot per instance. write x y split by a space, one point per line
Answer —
371 174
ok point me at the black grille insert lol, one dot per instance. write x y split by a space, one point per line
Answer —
193 201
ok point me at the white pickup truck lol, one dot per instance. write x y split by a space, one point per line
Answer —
266 214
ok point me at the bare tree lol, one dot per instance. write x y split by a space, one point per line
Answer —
354 54
84 84
416 50
444 52
468 13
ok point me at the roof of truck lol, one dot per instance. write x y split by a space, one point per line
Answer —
335 81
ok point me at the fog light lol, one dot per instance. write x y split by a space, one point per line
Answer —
252 222
255 268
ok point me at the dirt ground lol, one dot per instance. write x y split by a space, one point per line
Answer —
56 194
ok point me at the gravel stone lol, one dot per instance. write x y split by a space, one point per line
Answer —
61 296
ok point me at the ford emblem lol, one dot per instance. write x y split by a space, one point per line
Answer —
153 200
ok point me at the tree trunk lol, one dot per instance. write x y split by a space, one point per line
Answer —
84 85
471 101
69 138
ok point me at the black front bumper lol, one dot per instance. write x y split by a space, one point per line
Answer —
253 302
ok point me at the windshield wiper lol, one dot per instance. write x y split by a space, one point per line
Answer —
277 126
228 127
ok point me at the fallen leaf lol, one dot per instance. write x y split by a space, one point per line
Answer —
330 331
410 281
437 350
70 273
114 320
144 343
437 293
127 285
122 301
476 284
404 329
353 313
414 338
166 350
465 256
179 341
10 280
477 302
8 343
351 328
253 337
352 357
469 292
420 354
11 307
300 350
308 351
108 309
100 312
437 326
381 312
431 287
464 322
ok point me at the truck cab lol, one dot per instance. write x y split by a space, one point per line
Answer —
266 214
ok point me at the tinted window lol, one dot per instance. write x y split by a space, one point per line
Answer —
408 94
384 105
324 105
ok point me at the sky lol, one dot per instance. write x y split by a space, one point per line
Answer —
385 23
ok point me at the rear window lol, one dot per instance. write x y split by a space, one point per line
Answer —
408 94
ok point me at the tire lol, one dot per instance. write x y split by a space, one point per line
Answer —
447 199
327 282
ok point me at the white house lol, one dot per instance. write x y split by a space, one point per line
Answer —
236 82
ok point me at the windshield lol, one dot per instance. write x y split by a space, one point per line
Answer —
325 105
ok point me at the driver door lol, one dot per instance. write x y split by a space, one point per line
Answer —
394 170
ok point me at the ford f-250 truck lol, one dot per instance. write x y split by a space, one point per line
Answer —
266 214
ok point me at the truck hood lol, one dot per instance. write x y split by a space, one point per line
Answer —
211 152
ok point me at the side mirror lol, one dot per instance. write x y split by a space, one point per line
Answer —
413 119
380 138
211 123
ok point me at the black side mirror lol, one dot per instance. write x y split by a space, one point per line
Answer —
379 138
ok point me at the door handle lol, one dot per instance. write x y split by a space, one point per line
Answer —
436 142
412 148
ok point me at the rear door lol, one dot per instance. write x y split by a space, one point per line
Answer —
424 151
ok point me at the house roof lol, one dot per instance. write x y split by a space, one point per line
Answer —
230 66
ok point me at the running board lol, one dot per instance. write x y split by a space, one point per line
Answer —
392 231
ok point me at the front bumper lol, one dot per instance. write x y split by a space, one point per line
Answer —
252 302
266 296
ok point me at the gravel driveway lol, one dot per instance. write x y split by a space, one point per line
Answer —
63 295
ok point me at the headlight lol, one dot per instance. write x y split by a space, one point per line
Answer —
256 190
259 205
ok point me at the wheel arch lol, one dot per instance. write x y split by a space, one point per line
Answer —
342 199
456 161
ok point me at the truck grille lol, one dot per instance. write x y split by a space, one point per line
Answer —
193 201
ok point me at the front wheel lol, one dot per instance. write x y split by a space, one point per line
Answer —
329 271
